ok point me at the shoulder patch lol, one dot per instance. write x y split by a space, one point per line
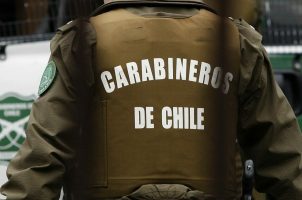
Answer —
47 77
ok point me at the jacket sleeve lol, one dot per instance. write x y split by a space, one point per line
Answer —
268 130
37 171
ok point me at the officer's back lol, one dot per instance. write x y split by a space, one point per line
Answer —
163 91
151 95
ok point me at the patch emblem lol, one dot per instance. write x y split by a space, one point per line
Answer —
14 115
47 77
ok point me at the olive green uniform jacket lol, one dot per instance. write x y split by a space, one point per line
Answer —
249 10
63 147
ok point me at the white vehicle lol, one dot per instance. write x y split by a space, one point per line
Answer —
23 61
21 68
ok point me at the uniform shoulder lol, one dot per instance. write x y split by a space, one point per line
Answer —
252 57
66 34
248 31
72 51
68 26
61 34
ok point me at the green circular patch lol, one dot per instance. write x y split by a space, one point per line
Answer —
47 77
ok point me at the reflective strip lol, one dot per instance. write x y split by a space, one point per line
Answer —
292 49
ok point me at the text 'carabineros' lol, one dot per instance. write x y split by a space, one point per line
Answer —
169 69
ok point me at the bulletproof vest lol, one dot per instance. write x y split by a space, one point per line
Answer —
164 109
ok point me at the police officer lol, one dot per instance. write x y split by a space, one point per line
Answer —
141 100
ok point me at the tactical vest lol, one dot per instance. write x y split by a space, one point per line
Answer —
164 109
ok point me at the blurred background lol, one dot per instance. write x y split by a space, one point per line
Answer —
35 20
26 27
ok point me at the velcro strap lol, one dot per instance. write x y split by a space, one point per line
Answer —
165 192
